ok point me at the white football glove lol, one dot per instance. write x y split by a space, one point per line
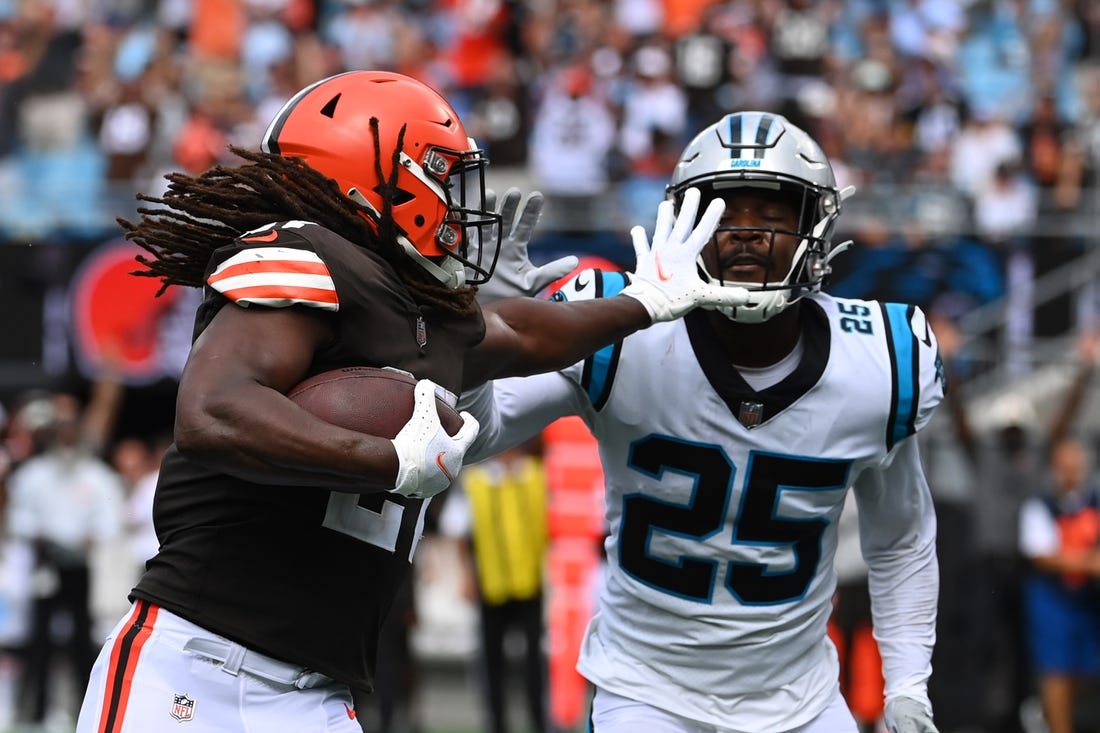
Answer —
515 275
429 458
666 280
906 715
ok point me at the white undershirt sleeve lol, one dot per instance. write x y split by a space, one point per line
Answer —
897 524
1038 530
514 410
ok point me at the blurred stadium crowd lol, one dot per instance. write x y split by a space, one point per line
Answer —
971 129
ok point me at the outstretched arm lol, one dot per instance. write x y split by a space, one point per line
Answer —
1088 348
527 336
949 339
512 411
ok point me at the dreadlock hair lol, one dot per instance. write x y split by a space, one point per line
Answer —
198 215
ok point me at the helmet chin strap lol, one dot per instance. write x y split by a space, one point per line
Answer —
450 272
771 302
837 249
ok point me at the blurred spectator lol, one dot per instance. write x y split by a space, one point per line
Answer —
138 520
1087 134
799 43
1005 213
985 142
1052 156
755 83
878 138
137 462
25 434
366 34
219 112
938 120
643 186
703 61
15 565
928 29
571 140
1053 160
116 564
477 37
652 102
1006 208
59 168
267 41
63 502
125 127
216 30
1060 536
639 18
1087 14
994 59
1006 465
501 512
1054 40
500 119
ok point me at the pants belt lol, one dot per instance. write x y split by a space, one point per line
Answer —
234 659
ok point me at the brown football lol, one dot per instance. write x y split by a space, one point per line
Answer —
367 400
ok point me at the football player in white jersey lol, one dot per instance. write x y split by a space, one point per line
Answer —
729 440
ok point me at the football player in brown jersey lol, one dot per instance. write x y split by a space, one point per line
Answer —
355 236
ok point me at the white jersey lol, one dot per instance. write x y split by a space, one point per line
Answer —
722 506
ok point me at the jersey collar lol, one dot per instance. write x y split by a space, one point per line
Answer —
736 392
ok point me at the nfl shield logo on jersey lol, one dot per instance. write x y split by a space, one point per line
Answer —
183 708
421 333
750 414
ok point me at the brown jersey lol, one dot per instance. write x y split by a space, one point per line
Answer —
260 564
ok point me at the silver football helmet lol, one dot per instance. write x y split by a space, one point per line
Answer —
765 151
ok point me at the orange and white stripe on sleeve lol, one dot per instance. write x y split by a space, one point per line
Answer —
277 277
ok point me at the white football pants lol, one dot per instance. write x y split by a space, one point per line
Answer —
157 670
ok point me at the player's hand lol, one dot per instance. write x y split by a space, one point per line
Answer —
515 275
666 279
906 715
429 459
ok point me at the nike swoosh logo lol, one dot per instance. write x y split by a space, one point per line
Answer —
269 237
661 275
580 283
443 466
350 711
927 335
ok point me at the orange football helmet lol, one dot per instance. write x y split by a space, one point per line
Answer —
438 201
